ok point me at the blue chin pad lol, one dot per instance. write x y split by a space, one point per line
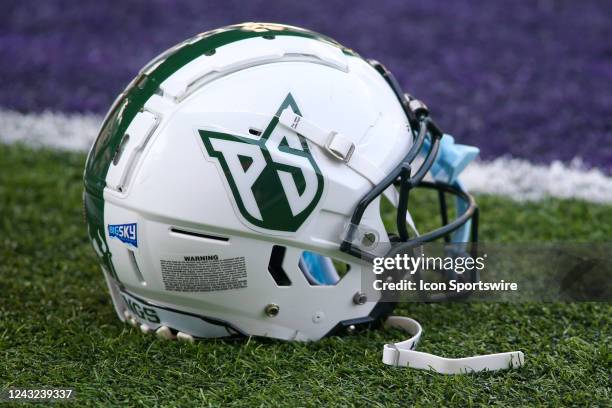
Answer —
452 159
318 269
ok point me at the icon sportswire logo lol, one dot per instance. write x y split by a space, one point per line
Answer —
274 179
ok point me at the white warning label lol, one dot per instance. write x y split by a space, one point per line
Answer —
205 273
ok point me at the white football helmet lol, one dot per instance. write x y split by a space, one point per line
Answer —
239 176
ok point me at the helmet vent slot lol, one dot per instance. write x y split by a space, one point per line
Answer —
180 88
135 268
197 234
254 132
120 148
275 267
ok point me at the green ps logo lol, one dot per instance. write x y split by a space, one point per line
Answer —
275 180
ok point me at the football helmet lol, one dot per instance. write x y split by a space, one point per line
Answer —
235 190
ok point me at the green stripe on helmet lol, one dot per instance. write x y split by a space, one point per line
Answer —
138 92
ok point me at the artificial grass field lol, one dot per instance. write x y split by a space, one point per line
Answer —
58 327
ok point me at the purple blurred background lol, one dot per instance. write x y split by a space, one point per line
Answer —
531 79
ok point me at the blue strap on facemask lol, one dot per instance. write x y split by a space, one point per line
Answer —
452 159
318 269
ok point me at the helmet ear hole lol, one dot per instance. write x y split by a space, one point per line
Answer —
321 270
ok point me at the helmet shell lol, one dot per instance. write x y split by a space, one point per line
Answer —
167 207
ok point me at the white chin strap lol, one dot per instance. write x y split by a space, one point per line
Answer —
403 354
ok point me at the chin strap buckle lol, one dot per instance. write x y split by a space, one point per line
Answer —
340 147
403 354
393 346
333 143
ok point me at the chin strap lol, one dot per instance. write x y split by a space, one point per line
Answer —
339 147
403 354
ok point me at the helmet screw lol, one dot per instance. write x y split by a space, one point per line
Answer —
351 329
272 309
369 239
360 298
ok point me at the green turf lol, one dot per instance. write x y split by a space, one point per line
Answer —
58 327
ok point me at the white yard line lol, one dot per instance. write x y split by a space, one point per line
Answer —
523 180
70 132
514 178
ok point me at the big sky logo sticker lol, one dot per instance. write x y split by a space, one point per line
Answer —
126 233
275 180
